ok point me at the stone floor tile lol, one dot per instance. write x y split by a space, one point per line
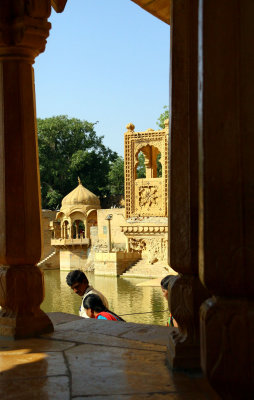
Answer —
31 365
95 326
58 318
150 396
134 396
148 334
34 345
141 332
53 388
117 371
106 340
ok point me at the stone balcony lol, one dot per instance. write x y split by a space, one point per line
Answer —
95 360
70 242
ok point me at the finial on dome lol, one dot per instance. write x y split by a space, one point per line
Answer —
130 127
79 181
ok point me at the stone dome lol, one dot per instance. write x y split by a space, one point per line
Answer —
81 196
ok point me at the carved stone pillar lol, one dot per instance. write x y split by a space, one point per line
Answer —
226 251
186 293
23 32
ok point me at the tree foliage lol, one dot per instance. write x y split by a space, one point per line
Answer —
68 148
141 169
162 117
116 177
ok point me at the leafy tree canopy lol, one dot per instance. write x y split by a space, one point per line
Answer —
162 117
116 177
141 169
68 148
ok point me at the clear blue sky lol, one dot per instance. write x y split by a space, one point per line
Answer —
106 61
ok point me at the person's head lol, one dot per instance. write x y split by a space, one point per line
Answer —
93 305
164 285
78 281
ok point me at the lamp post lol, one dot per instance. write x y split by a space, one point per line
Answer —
108 218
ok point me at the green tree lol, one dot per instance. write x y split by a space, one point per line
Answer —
116 177
162 117
141 169
68 148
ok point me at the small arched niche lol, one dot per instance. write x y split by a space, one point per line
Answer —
92 217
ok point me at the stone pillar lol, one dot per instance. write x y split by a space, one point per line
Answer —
87 233
186 293
109 237
226 211
24 29
62 230
76 227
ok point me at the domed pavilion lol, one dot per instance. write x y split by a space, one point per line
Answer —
72 226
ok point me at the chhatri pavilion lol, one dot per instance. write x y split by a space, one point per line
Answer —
71 230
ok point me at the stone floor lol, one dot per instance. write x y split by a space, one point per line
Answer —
95 360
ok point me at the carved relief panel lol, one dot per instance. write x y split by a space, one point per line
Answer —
153 249
149 199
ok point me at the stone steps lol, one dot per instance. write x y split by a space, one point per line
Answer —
45 260
142 268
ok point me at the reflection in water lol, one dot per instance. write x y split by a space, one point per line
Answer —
123 295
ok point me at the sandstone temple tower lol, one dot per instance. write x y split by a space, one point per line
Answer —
146 198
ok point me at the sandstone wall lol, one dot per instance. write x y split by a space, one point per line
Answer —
117 237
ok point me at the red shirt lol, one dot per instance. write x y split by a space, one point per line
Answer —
106 315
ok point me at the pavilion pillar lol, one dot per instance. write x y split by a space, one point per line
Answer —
24 29
186 293
87 235
226 211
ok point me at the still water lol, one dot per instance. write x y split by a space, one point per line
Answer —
124 297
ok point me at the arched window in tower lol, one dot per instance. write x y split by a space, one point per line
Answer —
148 163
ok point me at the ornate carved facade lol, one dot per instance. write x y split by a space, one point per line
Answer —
146 206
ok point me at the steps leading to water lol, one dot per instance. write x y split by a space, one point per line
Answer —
46 259
142 268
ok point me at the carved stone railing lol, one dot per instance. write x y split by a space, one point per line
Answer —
146 229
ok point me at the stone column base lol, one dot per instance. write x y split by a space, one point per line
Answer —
227 346
21 293
186 294
20 327
181 354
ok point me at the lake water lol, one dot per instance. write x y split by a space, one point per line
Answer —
145 304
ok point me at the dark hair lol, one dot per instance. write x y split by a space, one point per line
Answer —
165 281
94 302
76 276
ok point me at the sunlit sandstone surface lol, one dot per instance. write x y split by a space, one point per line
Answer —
90 359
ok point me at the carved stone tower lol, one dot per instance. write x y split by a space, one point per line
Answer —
146 186
146 196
